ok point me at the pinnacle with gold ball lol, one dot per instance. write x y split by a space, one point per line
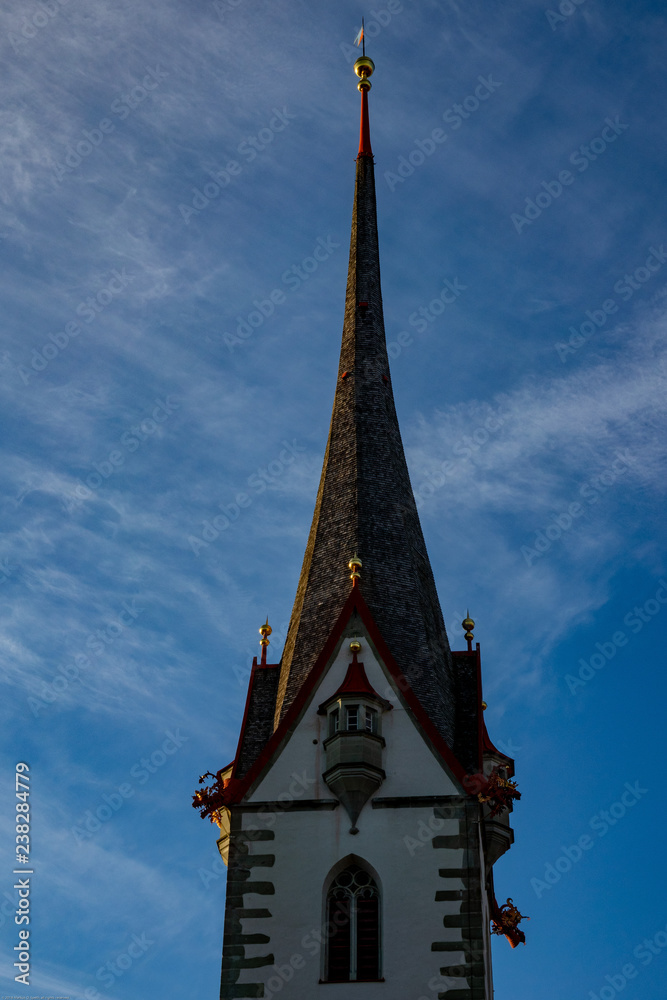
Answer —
468 624
364 67
265 631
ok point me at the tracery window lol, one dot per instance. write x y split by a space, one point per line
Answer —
353 915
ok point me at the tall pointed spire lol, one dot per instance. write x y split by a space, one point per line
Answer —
365 503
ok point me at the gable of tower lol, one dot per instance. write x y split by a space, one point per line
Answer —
416 759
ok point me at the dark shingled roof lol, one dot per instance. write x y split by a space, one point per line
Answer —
258 722
365 505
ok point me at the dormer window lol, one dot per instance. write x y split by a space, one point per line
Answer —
334 722
355 718
353 748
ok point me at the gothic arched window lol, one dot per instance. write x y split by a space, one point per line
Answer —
353 927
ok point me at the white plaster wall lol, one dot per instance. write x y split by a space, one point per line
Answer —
307 845
410 765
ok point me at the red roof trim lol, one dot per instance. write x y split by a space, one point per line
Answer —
481 728
354 602
485 744
490 748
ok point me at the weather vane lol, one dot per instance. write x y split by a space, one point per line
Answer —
360 38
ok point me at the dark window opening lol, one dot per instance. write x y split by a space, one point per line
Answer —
353 928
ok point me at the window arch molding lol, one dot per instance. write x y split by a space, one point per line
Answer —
352 919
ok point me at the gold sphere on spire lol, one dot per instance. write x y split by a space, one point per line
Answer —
468 624
355 565
364 67
355 646
265 631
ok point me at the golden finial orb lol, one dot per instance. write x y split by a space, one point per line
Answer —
355 646
355 565
468 624
265 631
364 67
484 706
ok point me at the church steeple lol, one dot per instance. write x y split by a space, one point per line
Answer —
397 738
365 502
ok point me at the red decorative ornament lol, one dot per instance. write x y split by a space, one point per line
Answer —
218 794
506 920
499 792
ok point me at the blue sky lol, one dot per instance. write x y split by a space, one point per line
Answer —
166 169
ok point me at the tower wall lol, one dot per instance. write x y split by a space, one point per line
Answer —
427 860
418 835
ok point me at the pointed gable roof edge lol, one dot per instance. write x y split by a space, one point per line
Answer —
355 602
257 724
